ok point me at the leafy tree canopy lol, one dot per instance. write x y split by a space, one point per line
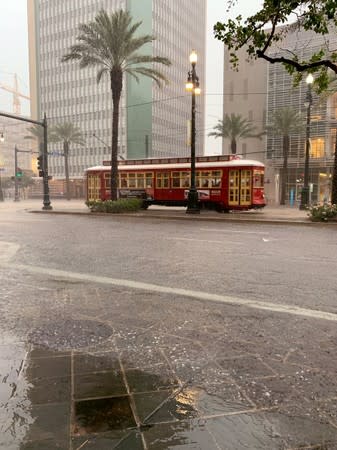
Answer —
268 27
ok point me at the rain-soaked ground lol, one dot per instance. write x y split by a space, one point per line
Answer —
87 366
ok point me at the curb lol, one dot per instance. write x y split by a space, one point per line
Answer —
189 217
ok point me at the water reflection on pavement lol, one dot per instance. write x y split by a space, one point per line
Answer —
67 399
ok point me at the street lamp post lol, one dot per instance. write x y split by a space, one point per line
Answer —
308 103
192 85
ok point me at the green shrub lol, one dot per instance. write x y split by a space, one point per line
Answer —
117 206
323 212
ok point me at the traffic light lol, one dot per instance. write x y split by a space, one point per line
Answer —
19 173
40 165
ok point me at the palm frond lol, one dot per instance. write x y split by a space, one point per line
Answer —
234 126
109 42
143 59
156 76
132 74
285 121
67 132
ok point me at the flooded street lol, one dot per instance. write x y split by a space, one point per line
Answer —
101 362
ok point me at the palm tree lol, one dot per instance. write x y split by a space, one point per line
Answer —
67 133
109 42
233 127
285 122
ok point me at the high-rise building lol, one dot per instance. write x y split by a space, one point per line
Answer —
260 89
282 93
153 121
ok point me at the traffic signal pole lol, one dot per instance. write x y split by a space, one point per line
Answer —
46 199
17 175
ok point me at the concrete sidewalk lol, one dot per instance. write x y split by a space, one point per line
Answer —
280 214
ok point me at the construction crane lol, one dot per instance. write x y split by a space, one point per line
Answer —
16 94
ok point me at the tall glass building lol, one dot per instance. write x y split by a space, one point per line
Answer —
260 89
153 121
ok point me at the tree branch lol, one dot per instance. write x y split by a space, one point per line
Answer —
298 66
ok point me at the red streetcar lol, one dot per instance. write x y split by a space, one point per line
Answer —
223 183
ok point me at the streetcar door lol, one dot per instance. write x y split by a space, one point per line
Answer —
245 187
234 187
94 186
239 189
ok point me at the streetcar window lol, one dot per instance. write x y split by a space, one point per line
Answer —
185 179
123 182
203 179
163 179
180 179
216 178
258 179
176 179
149 179
209 179
131 180
107 182
140 180
136 180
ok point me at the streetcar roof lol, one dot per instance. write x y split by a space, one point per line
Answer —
198 165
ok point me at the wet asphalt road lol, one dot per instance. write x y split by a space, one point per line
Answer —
281 264
241 376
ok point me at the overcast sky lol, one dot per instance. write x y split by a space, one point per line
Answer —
14 57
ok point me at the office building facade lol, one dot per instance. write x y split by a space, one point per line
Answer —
258 91
153 121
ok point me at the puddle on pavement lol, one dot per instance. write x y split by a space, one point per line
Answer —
49 398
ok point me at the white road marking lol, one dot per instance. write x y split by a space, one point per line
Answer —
191 239
206 296
232 231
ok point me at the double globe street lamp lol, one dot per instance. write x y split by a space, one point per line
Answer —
308 103
192 85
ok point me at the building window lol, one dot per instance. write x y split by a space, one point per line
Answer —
317 148
334 106
333 141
